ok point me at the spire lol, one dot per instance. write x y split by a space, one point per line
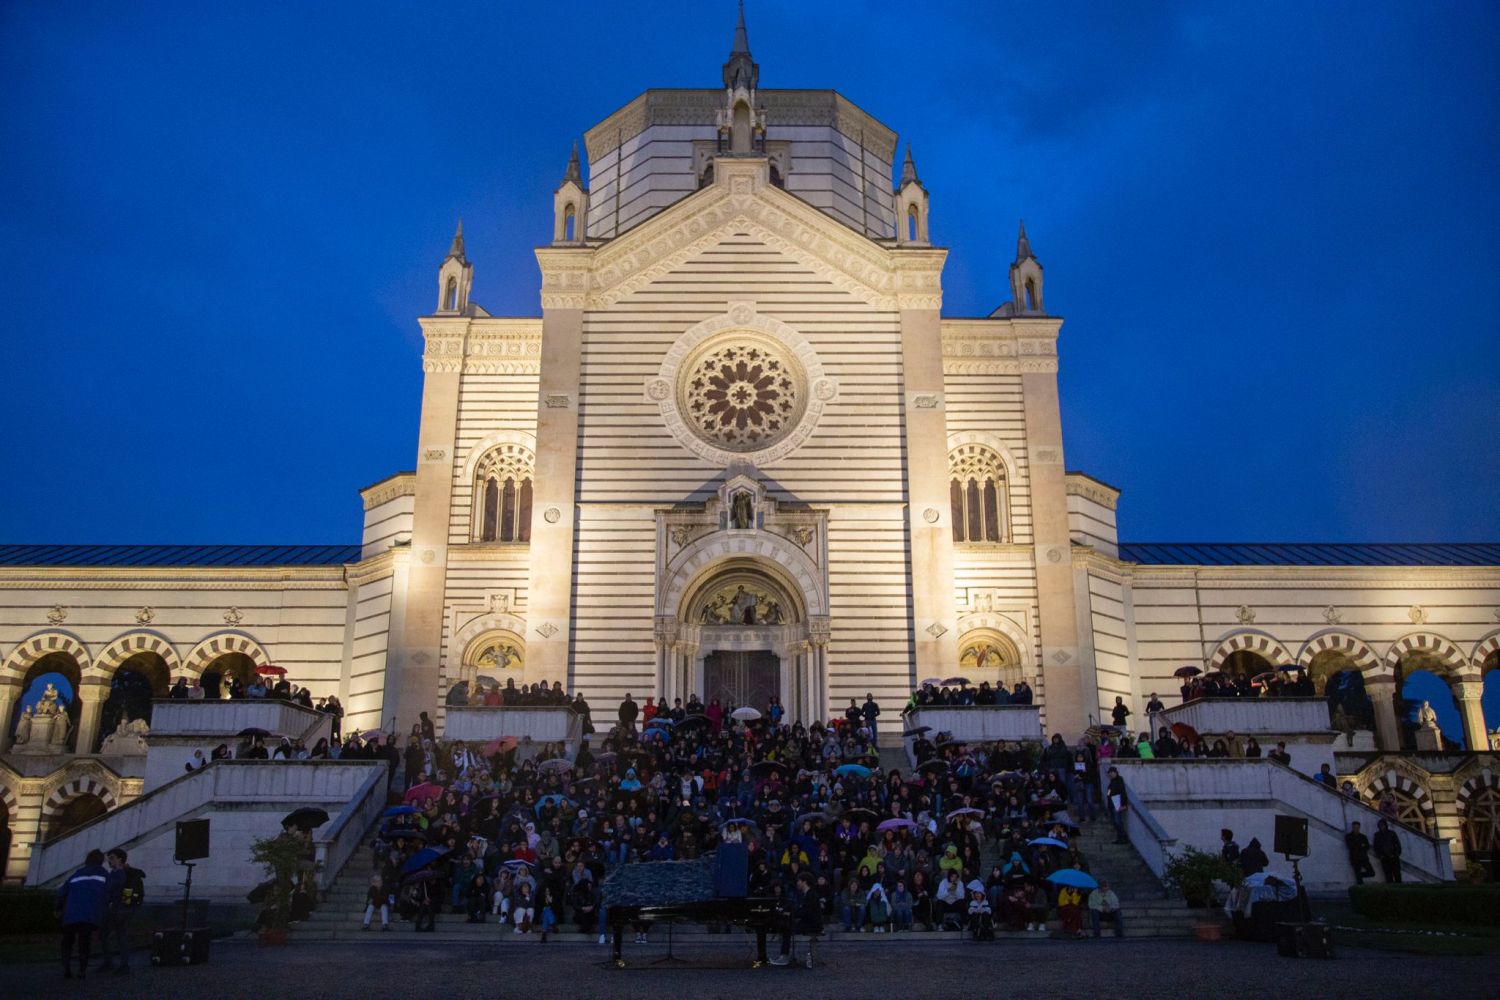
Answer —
456 251
740 72
909 169
1023 245
741 36
573 173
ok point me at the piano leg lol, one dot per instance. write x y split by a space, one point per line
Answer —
616 945
760 947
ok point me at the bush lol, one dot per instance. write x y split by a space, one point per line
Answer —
27 911
1478 905
1196 875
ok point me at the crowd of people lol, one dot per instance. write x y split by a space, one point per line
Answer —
525 837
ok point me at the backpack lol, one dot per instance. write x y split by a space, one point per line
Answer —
133 893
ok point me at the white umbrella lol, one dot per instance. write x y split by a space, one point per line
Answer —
746 714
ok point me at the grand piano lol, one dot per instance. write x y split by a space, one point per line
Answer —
709 890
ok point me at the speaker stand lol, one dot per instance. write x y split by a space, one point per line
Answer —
187 892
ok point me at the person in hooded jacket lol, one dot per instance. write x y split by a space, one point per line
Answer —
81 900
1253 858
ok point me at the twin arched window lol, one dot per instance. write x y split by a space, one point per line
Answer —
502 495
977 494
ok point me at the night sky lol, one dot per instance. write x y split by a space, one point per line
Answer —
1272 229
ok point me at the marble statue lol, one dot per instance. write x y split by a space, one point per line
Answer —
23 728
128 739
1426 717
742 511
742 607
48 704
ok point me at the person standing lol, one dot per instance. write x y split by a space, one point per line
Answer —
1119 713
629 712
1359 853
871 712
1115 799
1388 850
124 892
81 899
1229 851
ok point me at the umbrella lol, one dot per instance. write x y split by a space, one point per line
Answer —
426 790
764 768
812 817
860 813
934 681
745 714
897 824
261 892
270 670
965 811
516 864
1261 680
421 876
550 800
917 731
1187 671
943 744
694 720
661 720
857 770
371 734
253 732
499 745
1047 842
656 735
960 681
486 681
1073 877
422 859
1271 878
1183 731
400 811
1217 675
558 764
933 764
1063 820
306 818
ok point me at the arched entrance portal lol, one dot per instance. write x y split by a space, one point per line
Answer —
72 814
132 688
53 679
224 672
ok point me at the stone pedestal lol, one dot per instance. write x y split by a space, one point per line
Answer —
1429 739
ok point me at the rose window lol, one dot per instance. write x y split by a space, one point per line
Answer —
742 395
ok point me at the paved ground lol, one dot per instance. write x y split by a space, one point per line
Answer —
882 968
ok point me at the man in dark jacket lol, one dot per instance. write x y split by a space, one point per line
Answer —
1359 853
871 712
123 891
629 712
806 917
81 900
1388 850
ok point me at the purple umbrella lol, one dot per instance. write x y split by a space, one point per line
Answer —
897 824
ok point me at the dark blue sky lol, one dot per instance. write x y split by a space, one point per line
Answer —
1272 228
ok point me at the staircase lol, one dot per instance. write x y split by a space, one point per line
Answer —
1148 910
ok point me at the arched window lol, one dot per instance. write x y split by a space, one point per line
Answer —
976 491
739 138
569 221
502 495
1031 295
450 296
708 175
911 224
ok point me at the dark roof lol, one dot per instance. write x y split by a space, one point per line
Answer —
178 555
1311 553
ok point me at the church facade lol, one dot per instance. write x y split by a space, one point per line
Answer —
741 452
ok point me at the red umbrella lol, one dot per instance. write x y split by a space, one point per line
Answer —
1184 732
271 670
426 790
499 745
1261 680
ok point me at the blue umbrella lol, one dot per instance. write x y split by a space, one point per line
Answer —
651 735
400 811
1047 842
548 800
1073 877
516 864
660 720
422 859
858 770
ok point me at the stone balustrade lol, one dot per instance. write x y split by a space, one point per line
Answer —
541 723
1190 801
977 723
1250 716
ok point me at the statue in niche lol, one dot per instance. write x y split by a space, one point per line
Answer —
48 705
23 727
769 612
1426 717
716 611
742 511
61 727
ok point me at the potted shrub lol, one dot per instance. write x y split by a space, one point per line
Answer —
281 857
1197 875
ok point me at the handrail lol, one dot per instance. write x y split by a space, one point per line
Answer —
333 850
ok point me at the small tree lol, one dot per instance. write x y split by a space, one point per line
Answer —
1195 874
280 856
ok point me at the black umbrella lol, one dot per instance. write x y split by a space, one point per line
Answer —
693 720
261 892
861 813
253 732
917 731
933 764
764 768
306 818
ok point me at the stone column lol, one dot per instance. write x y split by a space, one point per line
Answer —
9 695
414 659
929 519
1064 698
1382 692
91 698
1467 695
549 616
